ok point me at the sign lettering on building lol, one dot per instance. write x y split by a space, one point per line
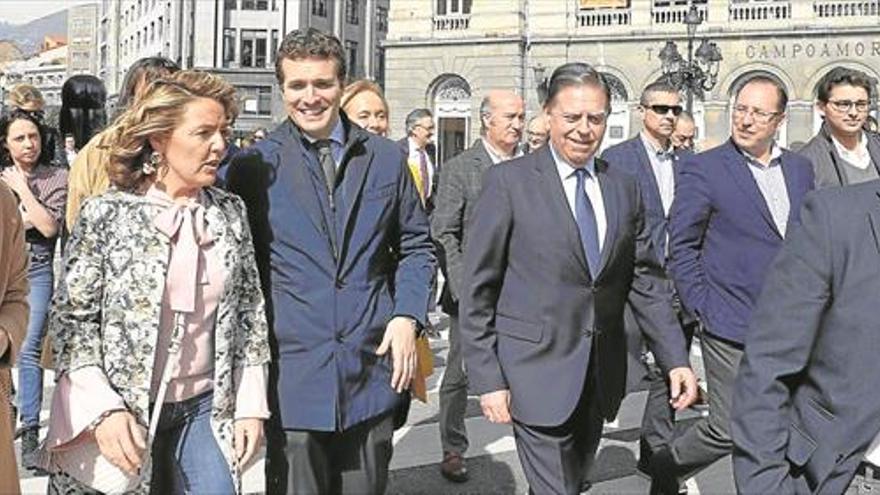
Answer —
824 49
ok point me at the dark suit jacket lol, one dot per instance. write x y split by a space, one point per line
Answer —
805 405
630 156
431 150
457 192
722 237
530 312
330 301
826 162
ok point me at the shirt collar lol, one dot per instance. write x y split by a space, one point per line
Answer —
337 135
663 154
497 157
859 153
413 149
566 169
775 154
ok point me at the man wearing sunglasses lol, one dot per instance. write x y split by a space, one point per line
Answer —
842 152
734 205
651 158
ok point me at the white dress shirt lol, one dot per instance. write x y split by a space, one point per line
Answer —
591 186
664 173
497 157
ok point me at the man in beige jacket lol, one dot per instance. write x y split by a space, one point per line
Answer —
13 324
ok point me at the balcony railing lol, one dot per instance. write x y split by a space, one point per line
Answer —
603 17
674 14
452 22
760 12
846 8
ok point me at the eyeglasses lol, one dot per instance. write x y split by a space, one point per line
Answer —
759 116
664 109
847 105
427 128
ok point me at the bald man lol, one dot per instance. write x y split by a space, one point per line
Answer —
537 132
502 117
683 135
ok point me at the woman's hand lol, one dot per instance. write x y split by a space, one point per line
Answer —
122 440
247 438
16 180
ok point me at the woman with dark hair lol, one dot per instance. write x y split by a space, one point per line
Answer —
28 98
41 190
82 108
88 176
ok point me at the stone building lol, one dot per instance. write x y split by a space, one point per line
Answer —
82 36
444 54
236 39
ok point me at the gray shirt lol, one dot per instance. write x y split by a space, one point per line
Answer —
771 183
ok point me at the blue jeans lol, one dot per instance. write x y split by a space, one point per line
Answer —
30 374
186 457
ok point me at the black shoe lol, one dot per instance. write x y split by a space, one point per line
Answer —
454 467
30 443
663 479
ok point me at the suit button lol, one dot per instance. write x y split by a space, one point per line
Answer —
339 338
340 283
588 333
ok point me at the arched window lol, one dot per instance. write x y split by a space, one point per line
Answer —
451 98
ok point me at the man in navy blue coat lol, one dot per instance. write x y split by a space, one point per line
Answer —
652 160
733 206
346 261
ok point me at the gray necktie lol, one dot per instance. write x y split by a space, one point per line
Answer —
328 165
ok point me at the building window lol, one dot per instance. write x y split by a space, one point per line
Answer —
273 46
351 48
254 4
379 75
228 47
352 15
253 48
230 4
256 100
319 8
453 7
382 19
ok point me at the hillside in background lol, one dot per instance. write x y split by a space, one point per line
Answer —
29 36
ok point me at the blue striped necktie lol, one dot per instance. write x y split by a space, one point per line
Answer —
585 217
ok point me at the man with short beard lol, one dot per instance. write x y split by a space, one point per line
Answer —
842 152
501 115
346 261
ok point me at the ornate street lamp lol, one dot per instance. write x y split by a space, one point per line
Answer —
699 72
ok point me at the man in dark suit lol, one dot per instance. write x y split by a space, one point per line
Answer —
652 160
806 413
420 153
501 115
733 206
557 244
346 261
842 152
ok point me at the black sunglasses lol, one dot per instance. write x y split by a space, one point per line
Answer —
664 109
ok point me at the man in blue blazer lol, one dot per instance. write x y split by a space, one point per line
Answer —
346 261
733 206
557 243
652 160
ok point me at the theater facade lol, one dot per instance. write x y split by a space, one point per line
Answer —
444 55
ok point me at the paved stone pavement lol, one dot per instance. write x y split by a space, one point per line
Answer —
492 459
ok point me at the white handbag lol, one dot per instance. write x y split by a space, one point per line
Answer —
84 462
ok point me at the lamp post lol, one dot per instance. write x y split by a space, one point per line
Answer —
700 71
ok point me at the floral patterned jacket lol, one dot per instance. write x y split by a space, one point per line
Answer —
106 311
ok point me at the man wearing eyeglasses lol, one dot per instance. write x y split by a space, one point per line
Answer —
419 149
651 158
557 244
842 152
733 206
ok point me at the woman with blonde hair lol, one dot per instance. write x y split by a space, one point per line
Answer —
161 304
365 105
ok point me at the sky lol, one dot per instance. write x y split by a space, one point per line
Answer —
23 11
